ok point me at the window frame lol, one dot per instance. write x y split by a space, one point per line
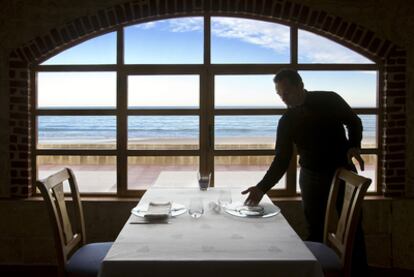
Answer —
206 110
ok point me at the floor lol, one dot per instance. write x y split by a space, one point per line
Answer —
50 271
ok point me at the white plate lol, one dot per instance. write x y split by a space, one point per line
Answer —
176 209
261 211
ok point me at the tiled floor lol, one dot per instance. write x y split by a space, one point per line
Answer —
102 178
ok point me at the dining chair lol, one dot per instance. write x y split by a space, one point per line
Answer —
74 256
335 253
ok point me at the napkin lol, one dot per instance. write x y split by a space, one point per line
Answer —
158 211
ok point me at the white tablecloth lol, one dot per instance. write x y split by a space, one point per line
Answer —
216 244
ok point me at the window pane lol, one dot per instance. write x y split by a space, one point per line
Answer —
242 171
99 50
93 173
163 132
246 91
161 91
369 133
76 132
171 41
358 88
313 48
245 132
237 40
370 170
76 90
165 171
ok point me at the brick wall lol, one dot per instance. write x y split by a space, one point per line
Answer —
350 34
20 132
394 123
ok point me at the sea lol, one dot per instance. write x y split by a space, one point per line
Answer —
97 128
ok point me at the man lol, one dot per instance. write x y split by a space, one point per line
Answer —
314 122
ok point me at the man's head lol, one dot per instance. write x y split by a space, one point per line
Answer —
289 87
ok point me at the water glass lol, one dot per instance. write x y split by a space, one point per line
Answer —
204 181
224 198
196 208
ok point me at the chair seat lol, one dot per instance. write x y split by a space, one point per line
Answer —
86 261
328 259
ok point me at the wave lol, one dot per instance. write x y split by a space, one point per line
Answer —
104 127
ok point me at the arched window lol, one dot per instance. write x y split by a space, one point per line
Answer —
162 100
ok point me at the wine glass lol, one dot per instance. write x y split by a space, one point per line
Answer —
224 198
196 208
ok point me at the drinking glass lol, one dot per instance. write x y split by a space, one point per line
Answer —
224 198
196 208
204 181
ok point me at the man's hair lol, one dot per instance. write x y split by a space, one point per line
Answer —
288 74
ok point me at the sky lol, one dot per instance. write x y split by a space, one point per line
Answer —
180 40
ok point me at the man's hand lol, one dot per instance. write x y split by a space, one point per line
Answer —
254 197
355 153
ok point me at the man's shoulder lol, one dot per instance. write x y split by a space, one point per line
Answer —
314 97
322 93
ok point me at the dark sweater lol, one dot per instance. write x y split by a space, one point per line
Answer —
317 129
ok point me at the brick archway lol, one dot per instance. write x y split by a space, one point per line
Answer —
360 39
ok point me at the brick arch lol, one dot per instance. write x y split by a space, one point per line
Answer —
391 57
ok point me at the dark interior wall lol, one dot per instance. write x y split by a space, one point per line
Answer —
388 222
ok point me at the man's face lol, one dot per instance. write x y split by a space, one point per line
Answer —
288 93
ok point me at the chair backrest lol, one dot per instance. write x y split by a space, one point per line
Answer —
67 239
340 230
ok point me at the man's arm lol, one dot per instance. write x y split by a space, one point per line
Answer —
283 154
354 126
